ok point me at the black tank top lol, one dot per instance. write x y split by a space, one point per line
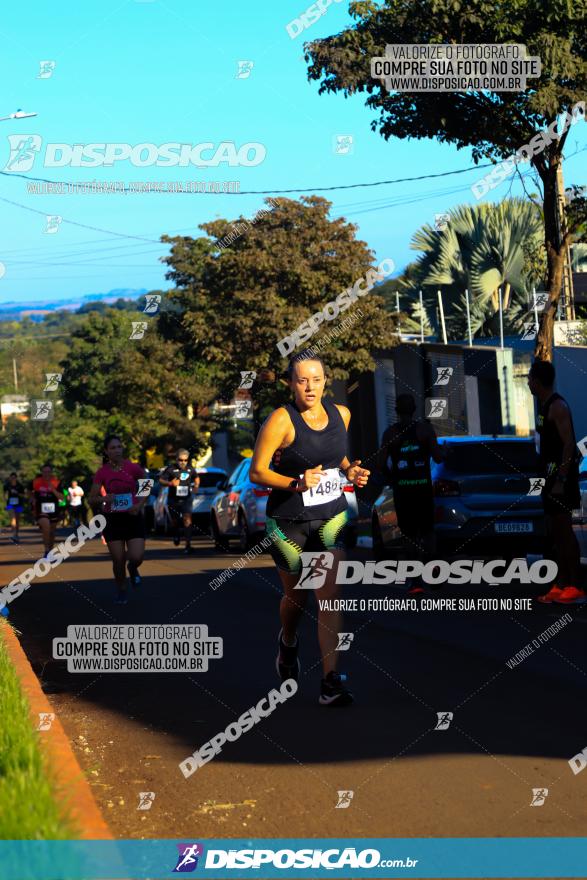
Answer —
551 445
310 448
410 460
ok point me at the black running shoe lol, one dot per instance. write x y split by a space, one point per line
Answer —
134 575
176 541
332 691
188 550
287 663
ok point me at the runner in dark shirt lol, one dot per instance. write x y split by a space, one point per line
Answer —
307 511
15 495
183 482
559 457
410 445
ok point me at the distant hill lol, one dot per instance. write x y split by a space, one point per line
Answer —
37 309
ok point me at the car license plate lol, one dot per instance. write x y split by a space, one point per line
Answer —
513 528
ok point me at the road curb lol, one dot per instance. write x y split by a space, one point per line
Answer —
70 784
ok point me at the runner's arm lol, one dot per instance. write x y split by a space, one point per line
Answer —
96 498
562 419
271 436
162 479
435 450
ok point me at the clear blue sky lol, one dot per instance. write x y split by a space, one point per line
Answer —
165 71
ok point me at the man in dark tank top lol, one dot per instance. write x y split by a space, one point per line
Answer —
559 458
409 445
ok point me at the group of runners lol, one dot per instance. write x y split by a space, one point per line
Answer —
301 455
301 451
48 502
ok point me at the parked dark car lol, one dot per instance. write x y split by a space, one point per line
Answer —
481 499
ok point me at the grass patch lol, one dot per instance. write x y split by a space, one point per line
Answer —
28 809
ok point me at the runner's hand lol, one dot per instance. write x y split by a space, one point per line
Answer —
175 482
310 478
356 475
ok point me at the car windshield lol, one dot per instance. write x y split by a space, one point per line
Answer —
492 458
210 480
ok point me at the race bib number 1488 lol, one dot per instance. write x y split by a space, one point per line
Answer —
328 489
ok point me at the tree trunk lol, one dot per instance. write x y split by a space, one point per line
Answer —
555 262
506 295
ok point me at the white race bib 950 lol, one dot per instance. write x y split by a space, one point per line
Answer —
47 507
181 491
328 489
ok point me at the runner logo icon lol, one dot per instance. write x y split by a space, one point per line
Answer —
23 149
443 375
247 378
138 329
539 795
444 719
146 799
314 569
152 303
344 800
189 854
536 486
436 407
53 380
46 719
41 410
344 641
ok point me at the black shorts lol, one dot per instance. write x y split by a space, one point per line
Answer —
124 527
289 538
567 502
179 507
52 517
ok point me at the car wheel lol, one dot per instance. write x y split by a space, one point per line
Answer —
220 541
244 535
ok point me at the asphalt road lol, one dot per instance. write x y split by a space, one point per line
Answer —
513 730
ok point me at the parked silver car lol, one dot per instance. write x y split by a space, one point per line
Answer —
210 481
238 511
480 499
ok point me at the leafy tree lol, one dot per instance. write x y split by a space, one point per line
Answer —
494 124
232 305
142 388
482 250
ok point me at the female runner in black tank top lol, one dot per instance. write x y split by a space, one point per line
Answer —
307 511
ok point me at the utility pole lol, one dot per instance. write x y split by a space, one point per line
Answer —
567 307
15 375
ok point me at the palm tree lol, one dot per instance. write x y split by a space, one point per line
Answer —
483 248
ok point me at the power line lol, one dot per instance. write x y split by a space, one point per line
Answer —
261 192
74 223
